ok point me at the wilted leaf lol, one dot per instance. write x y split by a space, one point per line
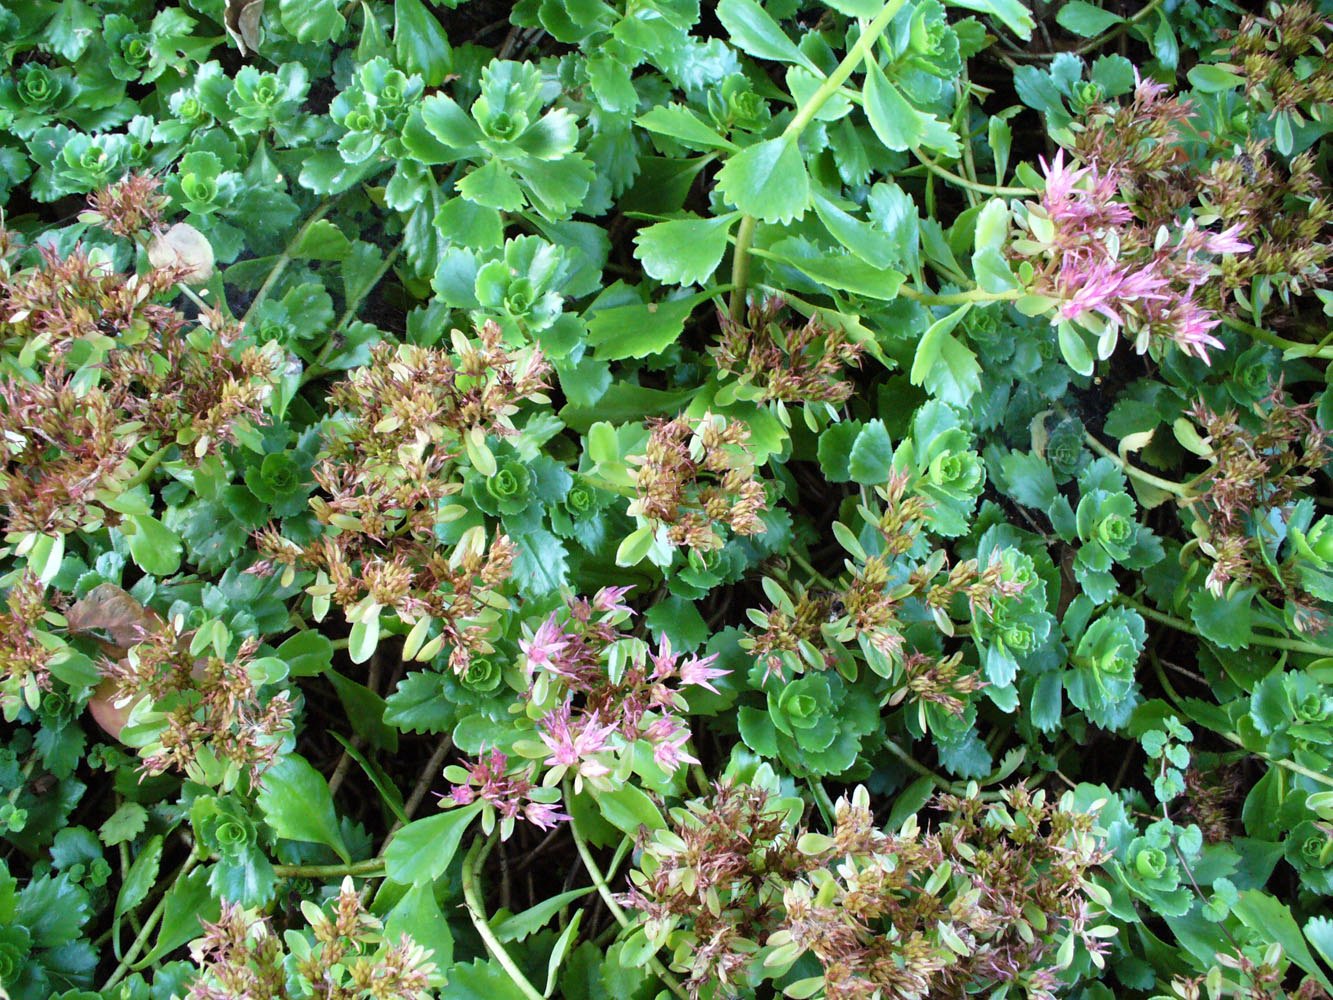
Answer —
241 19
183 247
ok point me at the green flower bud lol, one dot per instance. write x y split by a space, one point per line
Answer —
15 946
280 472
1019 638
232 836
580 500
1317 849
1320 539
136 50
1086 95
482 675
190 110
1151 862
37 88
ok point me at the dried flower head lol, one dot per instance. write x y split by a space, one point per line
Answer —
344 955
736 889
696 478
783 361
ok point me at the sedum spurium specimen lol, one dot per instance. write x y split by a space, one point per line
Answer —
843 482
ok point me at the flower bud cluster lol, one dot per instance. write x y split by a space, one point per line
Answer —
695 478
738 890
793 364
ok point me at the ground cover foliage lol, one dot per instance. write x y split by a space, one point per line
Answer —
647 499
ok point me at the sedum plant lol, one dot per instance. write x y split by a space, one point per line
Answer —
843 483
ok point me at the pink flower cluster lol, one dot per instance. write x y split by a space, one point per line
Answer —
510 795
596 711
1149 293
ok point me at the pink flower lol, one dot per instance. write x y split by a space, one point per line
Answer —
543 814
573 747
1079 212
547 644
1227 241
1192 324
668 738
610 599
664 661
701 672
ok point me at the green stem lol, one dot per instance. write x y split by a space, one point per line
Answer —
317 368
819 577
141 939
1273 340
476 856
1180 625
603 890
740 267
284 259
822 801
1174 488
149 464
1095 43
940 782
1289 765
959 298
370 868
971 185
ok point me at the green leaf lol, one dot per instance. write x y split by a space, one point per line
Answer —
681 123
870 244
421 851
323 241
123 825
567 937
74 27
871 456
155 548
189 903
533 919
1012 14
365 711
541 565
835 447
767 181
448 123
1211 79
1225 620
311 21
628 808
1273 921
930 345
363 640
296 804
857 8
754 31
421 43
1086 20
634 546
636 331
393 799
895 122
683 251
418 916
1074 348
480 980
843 272
306 654
1319 932
141 877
